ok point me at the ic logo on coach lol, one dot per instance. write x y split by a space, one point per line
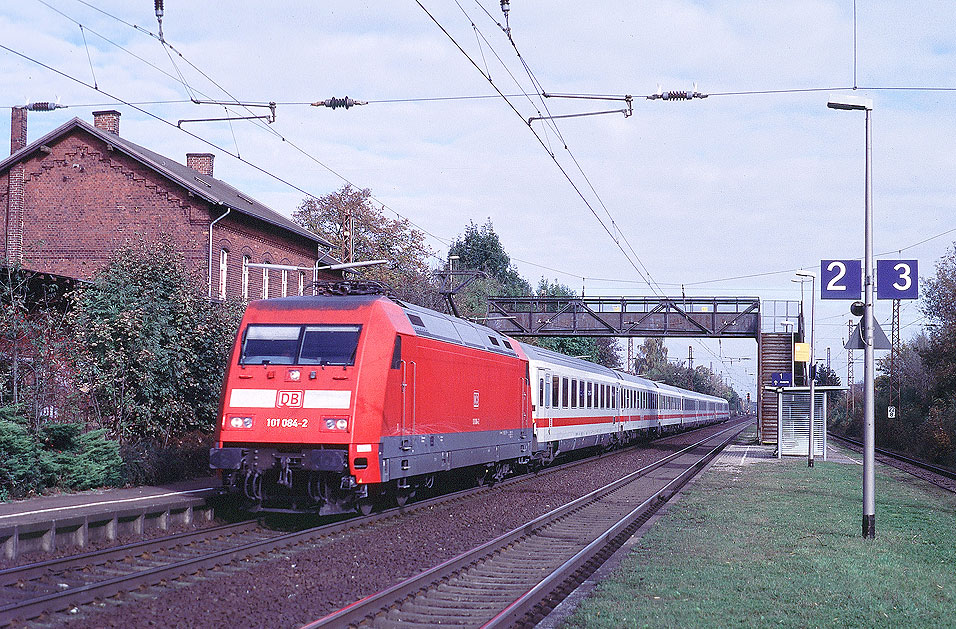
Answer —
289 399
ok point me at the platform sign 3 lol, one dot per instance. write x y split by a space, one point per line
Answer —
841 279
897 279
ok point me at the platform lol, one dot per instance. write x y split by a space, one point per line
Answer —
48 523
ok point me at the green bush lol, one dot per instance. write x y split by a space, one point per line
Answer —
58 456
155 347
150 463
19 456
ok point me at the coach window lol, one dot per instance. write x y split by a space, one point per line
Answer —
564 393
574 394
541 392
223 267
555 391
590 395
581 394
245 277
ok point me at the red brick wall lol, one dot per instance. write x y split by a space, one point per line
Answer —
83 201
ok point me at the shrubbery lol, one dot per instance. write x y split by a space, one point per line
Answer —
56 456
118 384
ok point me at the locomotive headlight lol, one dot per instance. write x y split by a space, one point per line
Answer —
238 422
336 423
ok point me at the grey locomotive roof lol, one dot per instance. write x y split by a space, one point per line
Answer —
435 324
207 188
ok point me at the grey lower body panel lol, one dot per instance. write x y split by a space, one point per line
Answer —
414 455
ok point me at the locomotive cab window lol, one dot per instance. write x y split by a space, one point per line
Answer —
300 345
329 344
270 344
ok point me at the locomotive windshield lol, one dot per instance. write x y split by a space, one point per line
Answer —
300 345
329 345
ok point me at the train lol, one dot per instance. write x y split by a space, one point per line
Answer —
336 402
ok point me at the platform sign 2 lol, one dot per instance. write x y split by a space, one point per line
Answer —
897 279
841 279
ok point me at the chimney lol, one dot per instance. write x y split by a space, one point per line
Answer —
107 121
18 129
200 162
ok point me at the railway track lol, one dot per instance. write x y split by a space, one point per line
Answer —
46 587
515 578
941 476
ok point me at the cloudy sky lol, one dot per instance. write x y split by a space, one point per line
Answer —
727 195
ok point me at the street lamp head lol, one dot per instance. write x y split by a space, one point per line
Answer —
807 274
850 101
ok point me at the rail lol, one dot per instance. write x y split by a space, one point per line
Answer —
501 581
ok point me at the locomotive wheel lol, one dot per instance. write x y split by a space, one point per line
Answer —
402 496
364 506
481 476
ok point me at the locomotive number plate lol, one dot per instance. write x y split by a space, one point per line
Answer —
287 422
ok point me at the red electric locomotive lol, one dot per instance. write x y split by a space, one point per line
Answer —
331 402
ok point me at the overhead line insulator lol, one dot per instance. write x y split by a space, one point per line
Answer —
43 106
677 95
335 103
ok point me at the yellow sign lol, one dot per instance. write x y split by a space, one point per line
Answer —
801 352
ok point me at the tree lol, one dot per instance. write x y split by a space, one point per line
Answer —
34 339
651 361
480 249
375 237
154 349
939 307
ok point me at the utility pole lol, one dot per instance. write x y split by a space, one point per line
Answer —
849 367
348 237
690 357
896 356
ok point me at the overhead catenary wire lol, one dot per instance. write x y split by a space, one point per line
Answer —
772 91
193 99
544 145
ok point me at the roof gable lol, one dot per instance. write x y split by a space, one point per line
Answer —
209 189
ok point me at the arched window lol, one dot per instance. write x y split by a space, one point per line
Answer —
245 277
223 272
301 282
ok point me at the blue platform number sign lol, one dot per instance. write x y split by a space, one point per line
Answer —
841 279
781 379
897 279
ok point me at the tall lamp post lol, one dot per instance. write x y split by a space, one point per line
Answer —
804 275
853 102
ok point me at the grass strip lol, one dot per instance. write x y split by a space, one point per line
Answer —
776 543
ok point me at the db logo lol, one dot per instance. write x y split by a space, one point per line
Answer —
292 399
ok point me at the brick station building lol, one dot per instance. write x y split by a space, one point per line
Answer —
79 193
